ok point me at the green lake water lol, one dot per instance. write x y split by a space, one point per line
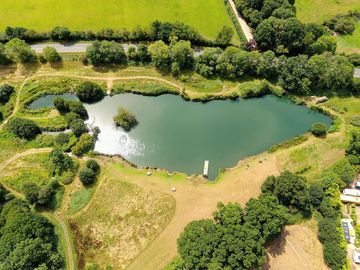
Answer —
178 135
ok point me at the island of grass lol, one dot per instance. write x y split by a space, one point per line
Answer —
125 119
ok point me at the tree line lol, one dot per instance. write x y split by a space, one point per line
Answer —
155 31
323 72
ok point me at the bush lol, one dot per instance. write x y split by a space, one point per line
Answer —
60 105
31 191
318 129
5 92
93 165
87 176
89 92
19 52
51 55
60 33
84 145
125 119
106 52
78 127
76 107
23 128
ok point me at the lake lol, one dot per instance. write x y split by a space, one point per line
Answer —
179 135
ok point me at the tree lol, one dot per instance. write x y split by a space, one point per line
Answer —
78 127
316 194
181 56
89 92
267 215
19 52
125 119
51 55
207 61
60 105
5 92
76 107
106 52
290 189
87 176
318 129
4 59
23 128
93 165
31 191
353 149
84 145
160 55
60 33
294 75
59 163
224 36
27 240
197 244
45 195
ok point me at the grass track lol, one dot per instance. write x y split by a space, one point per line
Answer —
205 16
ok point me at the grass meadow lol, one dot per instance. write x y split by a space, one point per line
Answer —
205 16
321 10
350 43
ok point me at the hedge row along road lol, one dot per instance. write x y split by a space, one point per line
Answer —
80 47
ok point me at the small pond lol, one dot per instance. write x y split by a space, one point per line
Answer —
47 101
179 136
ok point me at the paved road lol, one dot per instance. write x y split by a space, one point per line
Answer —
80 47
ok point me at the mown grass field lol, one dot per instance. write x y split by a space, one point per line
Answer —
205 16
320 10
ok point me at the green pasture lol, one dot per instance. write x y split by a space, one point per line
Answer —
350 43
320 10
205 16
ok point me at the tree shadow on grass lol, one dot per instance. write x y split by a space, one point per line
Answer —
275 248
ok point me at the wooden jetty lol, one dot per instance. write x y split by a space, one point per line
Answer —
206 169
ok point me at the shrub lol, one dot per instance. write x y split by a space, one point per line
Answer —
93 165
51 55
60 105
89 92
60 33
77 107
78 127
106 52
87 176
19 52
125 119
5 92
84 145
318 129
31 191
23 128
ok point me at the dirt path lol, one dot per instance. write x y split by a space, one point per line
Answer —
244 26
68 251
